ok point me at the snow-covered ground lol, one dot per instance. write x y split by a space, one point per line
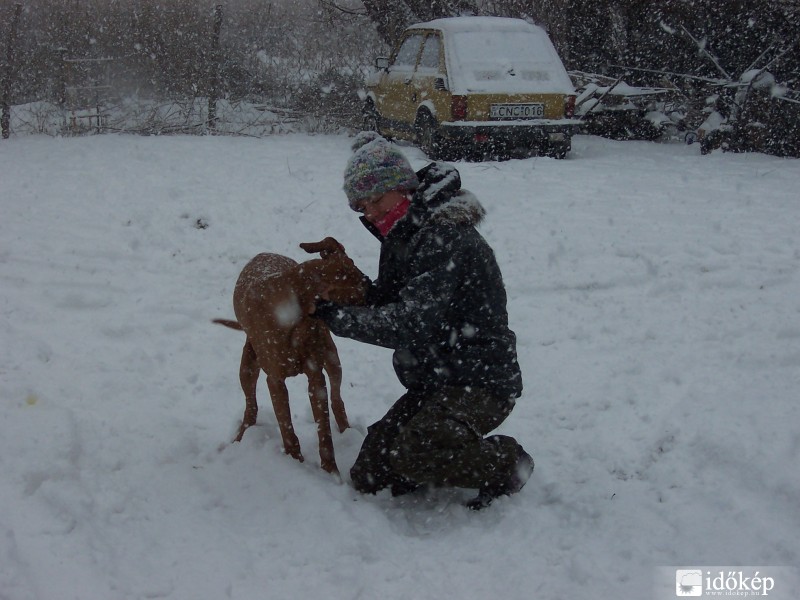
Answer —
656 298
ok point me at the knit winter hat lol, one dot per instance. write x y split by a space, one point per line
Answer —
376 167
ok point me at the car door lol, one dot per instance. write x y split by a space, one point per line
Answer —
430 79
395 100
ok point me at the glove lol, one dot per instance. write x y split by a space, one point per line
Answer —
324 309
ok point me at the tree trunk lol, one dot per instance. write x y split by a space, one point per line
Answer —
213 69
8 75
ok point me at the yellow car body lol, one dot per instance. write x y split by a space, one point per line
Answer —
487 85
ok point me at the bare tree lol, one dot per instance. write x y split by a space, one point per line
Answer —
391 17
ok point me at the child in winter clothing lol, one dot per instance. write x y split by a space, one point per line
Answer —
440 303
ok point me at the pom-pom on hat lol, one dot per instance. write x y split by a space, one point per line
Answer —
376 167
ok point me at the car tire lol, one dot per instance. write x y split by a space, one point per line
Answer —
426 135
370 119
558 151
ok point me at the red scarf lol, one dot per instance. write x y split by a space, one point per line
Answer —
393 216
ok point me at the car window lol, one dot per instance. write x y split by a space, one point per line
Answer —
429 60
406 56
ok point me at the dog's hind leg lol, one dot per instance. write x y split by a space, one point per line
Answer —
248 377
283 413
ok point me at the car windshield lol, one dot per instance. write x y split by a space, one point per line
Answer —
506 61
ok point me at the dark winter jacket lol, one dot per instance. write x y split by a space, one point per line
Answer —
439 299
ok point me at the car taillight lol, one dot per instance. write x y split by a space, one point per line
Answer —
569 106
458 108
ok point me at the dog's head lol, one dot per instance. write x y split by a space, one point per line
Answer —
335 273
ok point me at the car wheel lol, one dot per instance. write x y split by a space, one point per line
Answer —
427 135
557 151
369 117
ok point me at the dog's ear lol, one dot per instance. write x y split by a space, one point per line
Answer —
327 247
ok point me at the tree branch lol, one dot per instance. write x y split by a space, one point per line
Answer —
342 9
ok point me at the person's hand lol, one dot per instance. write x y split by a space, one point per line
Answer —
323 295
321 307
325 292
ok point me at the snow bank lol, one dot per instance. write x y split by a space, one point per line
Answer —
654 294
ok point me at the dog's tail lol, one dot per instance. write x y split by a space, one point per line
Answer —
228 323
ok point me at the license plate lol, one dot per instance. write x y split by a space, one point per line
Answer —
516 111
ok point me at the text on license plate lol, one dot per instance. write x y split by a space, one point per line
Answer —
516 111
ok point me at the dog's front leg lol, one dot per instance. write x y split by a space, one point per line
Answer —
318 395
334 369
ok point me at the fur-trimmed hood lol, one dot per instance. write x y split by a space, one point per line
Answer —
463 208
441 196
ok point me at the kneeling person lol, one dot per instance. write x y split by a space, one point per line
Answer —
440 303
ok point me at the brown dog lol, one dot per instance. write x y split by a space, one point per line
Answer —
273 298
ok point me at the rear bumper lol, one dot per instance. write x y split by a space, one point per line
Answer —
512 133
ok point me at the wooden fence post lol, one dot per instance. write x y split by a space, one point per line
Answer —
213 71
8 75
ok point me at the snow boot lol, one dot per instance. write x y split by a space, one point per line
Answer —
403 487
511 485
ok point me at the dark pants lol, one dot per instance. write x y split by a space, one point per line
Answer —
437 438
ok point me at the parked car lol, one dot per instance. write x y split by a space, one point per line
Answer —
474 86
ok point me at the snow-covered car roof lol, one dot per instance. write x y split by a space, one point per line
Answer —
499 55
457 24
